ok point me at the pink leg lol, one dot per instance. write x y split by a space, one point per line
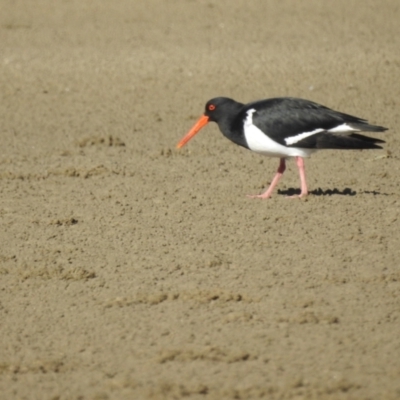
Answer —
279 173
300 166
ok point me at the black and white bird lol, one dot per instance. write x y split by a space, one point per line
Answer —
286 127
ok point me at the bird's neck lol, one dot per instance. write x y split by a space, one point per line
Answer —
232 129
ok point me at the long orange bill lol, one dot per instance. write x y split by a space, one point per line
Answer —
197 126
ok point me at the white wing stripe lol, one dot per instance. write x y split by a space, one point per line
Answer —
337 129
342 128
301 136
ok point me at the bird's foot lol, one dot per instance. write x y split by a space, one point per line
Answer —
259 196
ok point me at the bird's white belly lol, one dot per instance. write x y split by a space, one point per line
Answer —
259 142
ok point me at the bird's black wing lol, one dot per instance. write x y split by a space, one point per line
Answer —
286 119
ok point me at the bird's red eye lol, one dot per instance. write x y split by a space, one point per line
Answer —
211 107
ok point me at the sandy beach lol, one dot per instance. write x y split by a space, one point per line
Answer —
130 269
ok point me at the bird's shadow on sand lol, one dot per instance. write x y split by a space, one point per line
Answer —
329 192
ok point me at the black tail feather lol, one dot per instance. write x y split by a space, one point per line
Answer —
351 142
366 138
364 126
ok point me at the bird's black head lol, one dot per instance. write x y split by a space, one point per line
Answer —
220 108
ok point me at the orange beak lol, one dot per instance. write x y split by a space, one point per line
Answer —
203 121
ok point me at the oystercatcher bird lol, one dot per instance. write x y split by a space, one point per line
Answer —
286 127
